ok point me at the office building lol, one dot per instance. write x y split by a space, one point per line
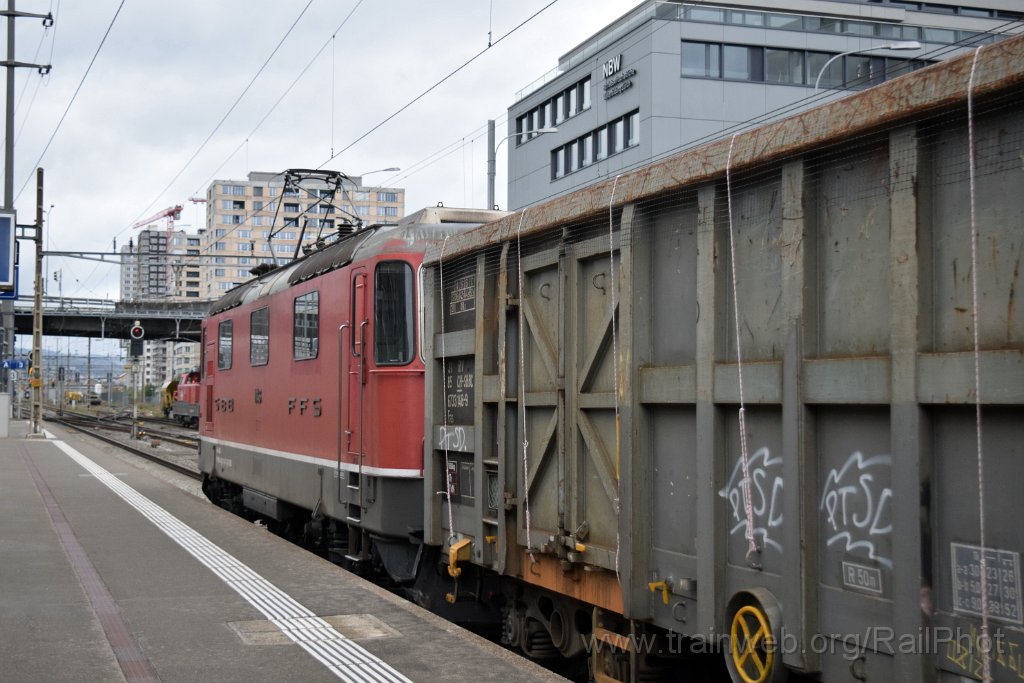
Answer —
670 75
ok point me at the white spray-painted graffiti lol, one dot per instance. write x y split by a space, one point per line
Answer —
454 438
857 506
765 498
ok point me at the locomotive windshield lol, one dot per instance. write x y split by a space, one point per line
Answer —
393 314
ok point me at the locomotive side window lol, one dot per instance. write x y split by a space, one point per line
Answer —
224 345
393 314
259 337
306 339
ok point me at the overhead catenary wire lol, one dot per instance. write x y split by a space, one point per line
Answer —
273 107
436 85
74 96
224 118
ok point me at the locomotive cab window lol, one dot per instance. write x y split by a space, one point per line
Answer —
259 337
306 339
393 314
224 345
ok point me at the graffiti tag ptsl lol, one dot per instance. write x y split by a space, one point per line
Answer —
857 506
765 498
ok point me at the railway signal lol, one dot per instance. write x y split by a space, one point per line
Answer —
137 332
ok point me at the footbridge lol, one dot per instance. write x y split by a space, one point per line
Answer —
105 319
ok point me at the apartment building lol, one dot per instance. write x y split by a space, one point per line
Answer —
264 220
155 266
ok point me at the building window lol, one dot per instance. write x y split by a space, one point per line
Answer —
257 206
740 62
362 210
551 112
245 234
192 273
701 14
193 241
220 232
830 78
291 192
257 190
291 208
233 190
259 336
393 314
701 60
218 272
387 196
306 327
784 66
621 133
220 246
746 18
224 345
387 211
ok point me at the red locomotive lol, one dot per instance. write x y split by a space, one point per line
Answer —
312 394
185 404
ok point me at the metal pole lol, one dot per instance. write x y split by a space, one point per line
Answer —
7 306
491 164
36 379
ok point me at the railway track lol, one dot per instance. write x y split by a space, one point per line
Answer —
90 426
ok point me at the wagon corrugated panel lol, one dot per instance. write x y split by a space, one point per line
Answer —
851 230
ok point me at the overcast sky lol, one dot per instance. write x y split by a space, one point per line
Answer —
169 72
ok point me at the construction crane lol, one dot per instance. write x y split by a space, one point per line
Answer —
171 214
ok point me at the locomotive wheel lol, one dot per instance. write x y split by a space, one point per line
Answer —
753 656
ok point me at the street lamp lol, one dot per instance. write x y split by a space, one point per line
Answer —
393 169
901 45
492 151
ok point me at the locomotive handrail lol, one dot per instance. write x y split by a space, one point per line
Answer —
343 380
362 383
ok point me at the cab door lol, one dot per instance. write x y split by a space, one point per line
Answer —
354 372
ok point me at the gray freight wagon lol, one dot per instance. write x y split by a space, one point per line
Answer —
852 279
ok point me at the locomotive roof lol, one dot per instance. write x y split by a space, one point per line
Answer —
412 234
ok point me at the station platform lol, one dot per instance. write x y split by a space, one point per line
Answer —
112 569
